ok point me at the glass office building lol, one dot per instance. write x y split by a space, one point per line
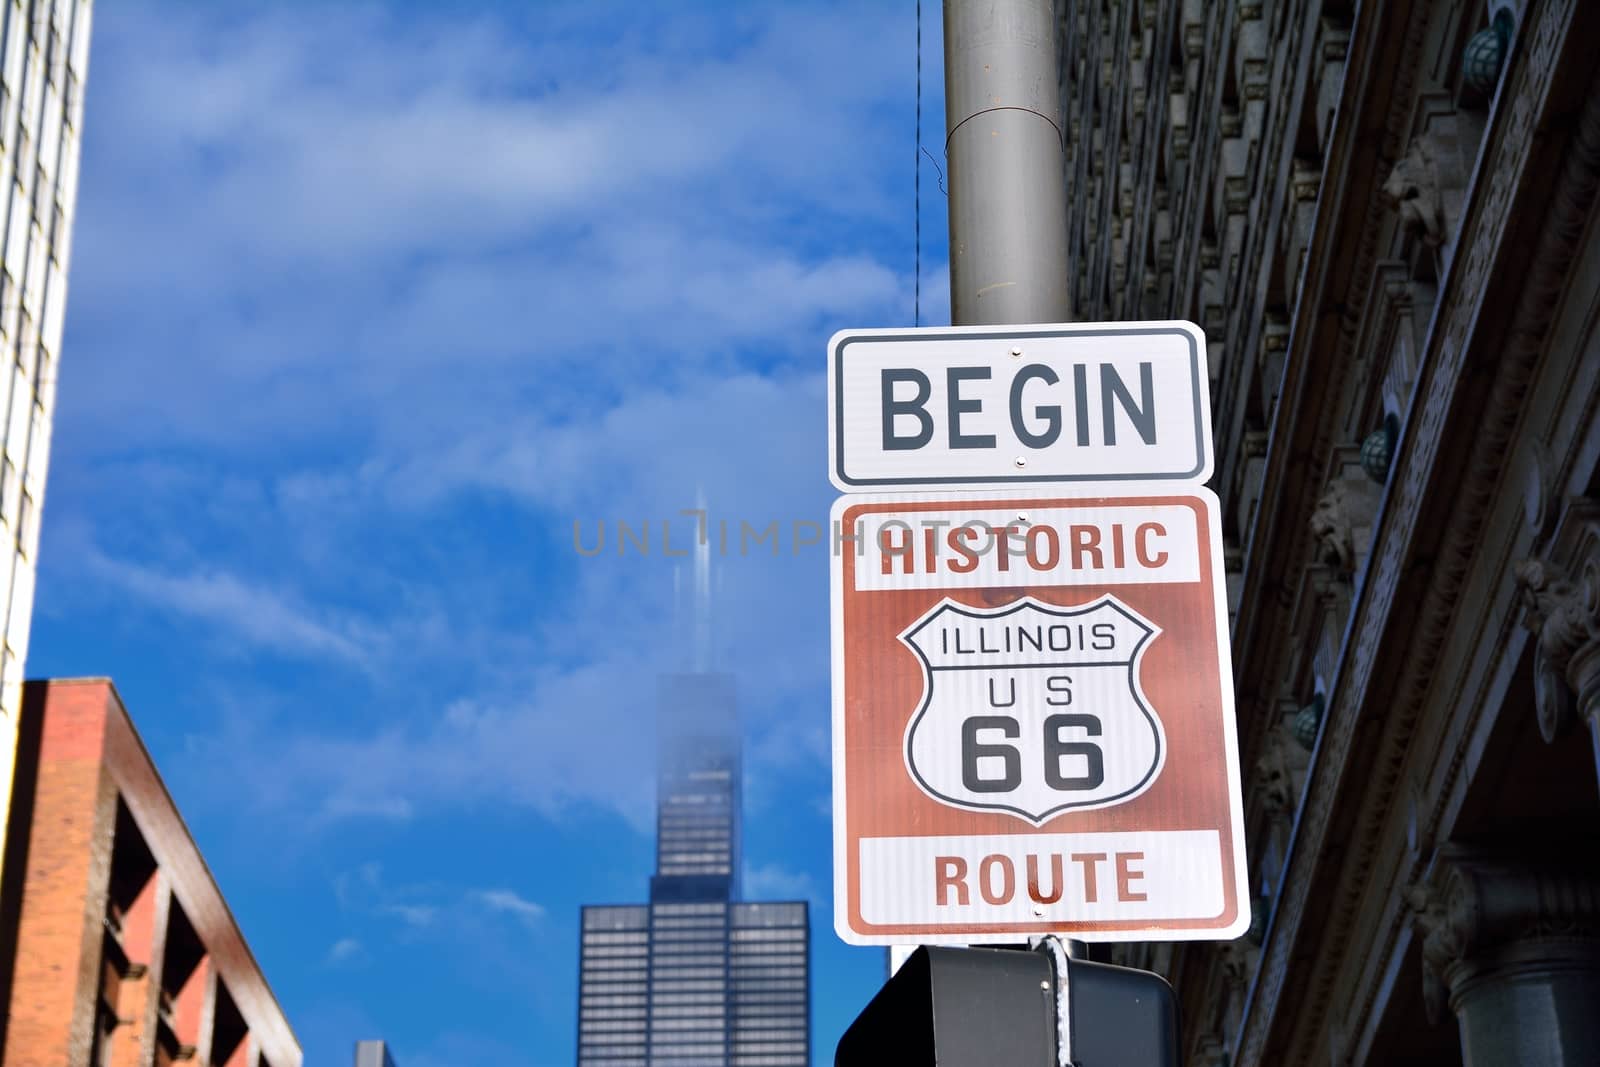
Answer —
696 977
44 59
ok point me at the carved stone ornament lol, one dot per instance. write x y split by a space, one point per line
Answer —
1277 773
1331 527
1440 944
1334 523
1476 906
1238 960
1564 615
1210 1051
1413 189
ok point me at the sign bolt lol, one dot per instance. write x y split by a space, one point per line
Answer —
1016 351
1019 461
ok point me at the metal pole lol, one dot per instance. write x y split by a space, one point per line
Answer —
1008 186
1008 200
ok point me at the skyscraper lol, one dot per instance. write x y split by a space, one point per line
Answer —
373 1054
44 54
695 978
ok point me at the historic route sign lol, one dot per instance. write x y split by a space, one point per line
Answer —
995 405
1033 720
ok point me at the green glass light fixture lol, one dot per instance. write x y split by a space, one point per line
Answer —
1307 721
1377 450
1485 54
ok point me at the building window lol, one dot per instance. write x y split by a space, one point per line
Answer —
25 525
9 484
43 194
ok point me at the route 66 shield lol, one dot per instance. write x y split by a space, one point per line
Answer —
1033 709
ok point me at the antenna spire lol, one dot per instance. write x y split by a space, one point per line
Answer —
702 588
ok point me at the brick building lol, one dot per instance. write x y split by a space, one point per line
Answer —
1385 217
116 947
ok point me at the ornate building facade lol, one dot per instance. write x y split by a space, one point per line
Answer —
1384 216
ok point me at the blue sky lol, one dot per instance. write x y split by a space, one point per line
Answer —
369 303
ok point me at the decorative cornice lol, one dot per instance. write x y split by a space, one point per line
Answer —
1262 646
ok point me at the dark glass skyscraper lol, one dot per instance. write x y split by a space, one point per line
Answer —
695 978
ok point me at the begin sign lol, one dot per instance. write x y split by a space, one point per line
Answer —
1033 720
981 405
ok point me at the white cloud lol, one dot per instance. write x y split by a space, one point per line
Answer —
579 739
349 226
488 690
559 707
509 902
346 950
416 916
261 617
330 131
365 891
423 908
774 882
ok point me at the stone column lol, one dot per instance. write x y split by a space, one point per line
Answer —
1514 950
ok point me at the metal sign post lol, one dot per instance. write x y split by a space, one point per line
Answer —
986 1007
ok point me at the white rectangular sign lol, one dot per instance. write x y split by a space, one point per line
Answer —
1158 875
1038 546
996 405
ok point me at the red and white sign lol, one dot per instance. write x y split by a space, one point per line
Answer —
1033 720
